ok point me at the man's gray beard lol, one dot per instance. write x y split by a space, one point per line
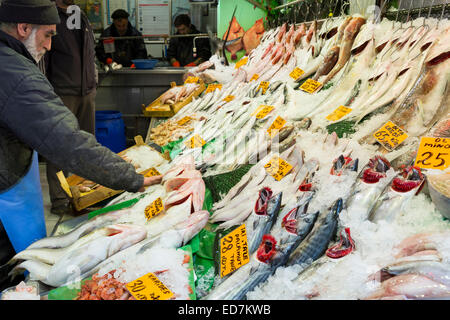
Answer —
30 44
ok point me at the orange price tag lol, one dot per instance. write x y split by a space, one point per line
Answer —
433 153
154 208
276 125
310 86
390 136
278 168
149 287
233 251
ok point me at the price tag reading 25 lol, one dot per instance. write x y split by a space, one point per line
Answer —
433 153
233 251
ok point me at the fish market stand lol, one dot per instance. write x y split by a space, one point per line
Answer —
126 89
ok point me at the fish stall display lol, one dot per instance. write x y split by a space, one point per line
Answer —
330 118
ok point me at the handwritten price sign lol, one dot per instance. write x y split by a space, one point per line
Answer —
296 73
390 136
241 62
338 113
278 168
229 98
233 251
195 142
153 209
184 121
262 111
433 153
192 80
212 87
264 85
277 124
152 172
255 77
149 287
310 86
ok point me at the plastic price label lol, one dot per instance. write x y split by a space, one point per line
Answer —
278 168
195 142
310 86
390 136
338 113
229 98
192 80
255 77
241 62
262 111
296 73
213 87
149 287
184 121
154 208
264 85
152 172
233 251
433 153
276 125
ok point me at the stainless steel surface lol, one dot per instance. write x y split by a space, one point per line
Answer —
126 90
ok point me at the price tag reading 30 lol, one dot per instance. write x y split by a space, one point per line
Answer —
310 86
154 208
278 168
233 251
433 153
149 287
390 136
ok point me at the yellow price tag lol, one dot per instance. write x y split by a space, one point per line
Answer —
195 142
390 136
255 77
264 85
229 98
278 168
262 111
192 80
152 172
296 73
277 124
149 287
213 87
154 208
310 86
433 153
184 121
241 62
338 113
233 251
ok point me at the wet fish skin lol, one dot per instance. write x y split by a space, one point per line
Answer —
316 243
261 224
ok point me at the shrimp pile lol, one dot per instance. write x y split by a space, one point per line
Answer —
105 287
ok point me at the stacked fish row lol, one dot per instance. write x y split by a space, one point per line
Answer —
103 242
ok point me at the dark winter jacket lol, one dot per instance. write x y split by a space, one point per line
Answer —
125 50
182 48
70 64
33 117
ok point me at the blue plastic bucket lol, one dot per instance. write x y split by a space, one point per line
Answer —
110 130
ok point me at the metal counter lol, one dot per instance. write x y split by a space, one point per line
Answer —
125 90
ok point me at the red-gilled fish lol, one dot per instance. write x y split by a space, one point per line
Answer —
370 184
396 195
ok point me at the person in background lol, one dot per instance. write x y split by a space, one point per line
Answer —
125 50
33 119
70 68
181 50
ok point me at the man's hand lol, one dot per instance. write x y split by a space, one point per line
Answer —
176 64
148 181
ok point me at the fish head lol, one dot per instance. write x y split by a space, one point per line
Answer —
378 166
298 214
410 178
263 201
267 248
343 164
345 245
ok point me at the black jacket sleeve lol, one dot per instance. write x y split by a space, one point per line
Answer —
172 49
100 50
204 49
38 117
